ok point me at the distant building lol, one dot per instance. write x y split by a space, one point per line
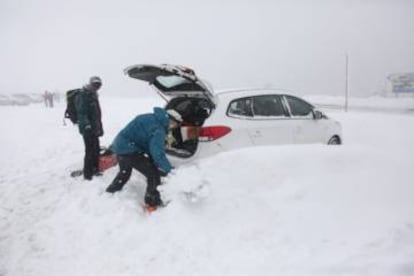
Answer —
402 82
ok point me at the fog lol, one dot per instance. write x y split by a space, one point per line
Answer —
296 45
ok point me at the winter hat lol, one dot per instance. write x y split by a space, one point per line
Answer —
95 79
173 114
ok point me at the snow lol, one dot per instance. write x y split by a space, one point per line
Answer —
276 210
396 103
20 99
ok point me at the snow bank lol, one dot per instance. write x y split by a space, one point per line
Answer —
20 99
402 104
282 210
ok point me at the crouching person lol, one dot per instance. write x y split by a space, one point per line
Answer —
141 145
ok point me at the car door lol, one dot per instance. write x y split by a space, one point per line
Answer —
305 128
270 124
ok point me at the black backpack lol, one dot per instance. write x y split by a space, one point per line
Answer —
70 111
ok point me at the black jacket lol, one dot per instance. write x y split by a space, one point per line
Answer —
89 112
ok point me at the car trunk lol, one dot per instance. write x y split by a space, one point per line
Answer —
183 141
184 92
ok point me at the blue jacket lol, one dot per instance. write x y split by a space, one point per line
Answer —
145 134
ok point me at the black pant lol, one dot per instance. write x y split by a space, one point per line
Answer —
91 160
144 165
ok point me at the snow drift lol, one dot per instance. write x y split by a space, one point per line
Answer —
282 210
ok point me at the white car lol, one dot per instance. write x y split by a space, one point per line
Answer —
226 120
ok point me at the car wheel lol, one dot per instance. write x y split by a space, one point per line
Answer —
335 140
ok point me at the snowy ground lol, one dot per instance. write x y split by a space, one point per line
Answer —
282 210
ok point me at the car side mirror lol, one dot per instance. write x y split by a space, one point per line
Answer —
317 115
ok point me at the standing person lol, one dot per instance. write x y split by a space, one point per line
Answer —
141 145
46 98
50 98
90 125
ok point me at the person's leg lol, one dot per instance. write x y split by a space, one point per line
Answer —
95 155
123 175
88 161
146 166
152 195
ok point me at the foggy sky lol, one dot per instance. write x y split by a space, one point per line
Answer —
296 45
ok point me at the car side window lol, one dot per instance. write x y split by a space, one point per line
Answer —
268 105
299 107
240 108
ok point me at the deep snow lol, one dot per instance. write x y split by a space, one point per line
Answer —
277 210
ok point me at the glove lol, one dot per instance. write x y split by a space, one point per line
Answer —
87 130
162 173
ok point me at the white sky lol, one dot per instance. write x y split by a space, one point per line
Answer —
297 45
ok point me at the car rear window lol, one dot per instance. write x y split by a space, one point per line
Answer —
176 83
171 81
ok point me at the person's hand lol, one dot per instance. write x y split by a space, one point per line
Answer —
87 130
162 173
172 172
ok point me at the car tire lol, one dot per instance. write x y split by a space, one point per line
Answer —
335 140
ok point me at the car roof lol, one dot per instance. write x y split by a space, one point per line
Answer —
251 91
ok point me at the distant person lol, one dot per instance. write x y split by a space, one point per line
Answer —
50 99
90 125
141 145
46 98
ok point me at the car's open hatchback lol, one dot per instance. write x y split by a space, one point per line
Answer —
184 92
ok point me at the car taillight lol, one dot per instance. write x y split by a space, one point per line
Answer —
213 132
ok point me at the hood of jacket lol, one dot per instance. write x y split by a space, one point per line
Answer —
162 117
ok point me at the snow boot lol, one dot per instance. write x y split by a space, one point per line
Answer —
114 187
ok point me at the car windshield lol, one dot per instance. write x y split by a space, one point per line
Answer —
171 81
